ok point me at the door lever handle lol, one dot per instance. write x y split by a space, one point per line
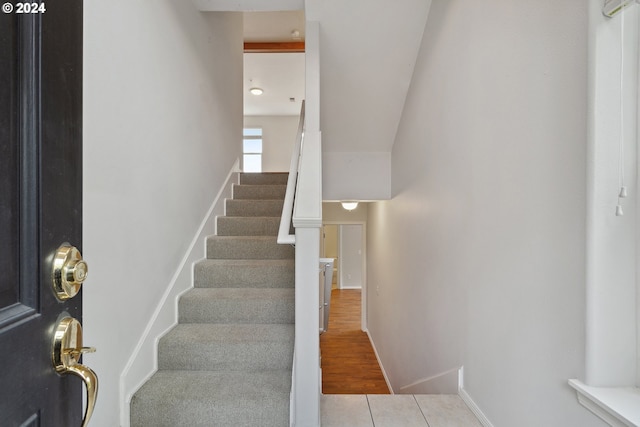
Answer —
67 350
76 352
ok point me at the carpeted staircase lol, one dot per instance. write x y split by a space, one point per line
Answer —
228 361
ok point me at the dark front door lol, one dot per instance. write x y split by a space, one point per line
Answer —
40 205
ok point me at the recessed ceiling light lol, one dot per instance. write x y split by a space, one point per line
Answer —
256 91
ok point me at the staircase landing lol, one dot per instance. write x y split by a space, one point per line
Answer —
407 410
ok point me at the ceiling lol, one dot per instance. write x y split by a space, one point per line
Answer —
273 26
280 75
368 50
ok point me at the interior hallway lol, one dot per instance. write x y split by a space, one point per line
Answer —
349 365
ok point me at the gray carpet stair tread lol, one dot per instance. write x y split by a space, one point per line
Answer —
194 346
213 399
262 273
280 178
248 226
247 247
260 192
244 208
237 305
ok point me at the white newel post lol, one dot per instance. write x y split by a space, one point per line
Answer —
307 355
307 220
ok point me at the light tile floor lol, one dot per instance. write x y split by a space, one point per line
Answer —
398 410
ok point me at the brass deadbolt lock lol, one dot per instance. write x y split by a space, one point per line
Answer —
69 271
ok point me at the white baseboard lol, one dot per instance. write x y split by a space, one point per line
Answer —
474 408
384 373
447 382
143 362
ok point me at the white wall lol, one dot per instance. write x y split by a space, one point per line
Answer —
330 241
356 176
612 357
278 137
368 50
335 213
479 258
162 129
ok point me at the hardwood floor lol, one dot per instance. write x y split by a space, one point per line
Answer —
349 365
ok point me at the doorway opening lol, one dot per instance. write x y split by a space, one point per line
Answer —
273 86
345 242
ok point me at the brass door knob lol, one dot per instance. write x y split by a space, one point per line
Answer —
69 271
67 350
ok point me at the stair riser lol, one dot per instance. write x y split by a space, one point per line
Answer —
257 226
247 248
197 398
253 208
225 356
233 311
234 347
264 412
264 178
259 275
259 192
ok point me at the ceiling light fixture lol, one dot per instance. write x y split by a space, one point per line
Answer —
349 205
256 91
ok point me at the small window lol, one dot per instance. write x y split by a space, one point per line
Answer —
252 150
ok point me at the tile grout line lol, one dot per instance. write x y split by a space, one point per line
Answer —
421 411
373 423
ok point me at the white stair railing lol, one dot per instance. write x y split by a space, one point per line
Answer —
303 207
284 235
